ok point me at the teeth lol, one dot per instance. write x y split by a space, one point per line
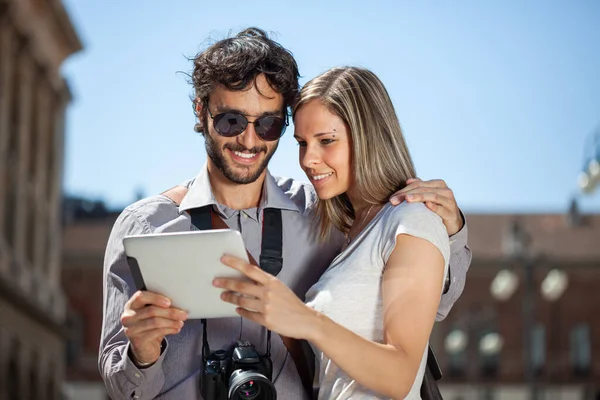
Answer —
244 155
319 177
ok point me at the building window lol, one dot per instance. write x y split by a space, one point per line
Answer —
34 131
75 326
51 388
490 346
11 203
30 223
12 155
580 350
455 346
538 348
34 384
51 149
13 378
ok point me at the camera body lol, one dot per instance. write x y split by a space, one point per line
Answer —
239 372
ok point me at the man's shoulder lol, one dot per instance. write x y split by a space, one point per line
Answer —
301 193
151 212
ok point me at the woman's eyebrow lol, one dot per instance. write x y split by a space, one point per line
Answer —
316 134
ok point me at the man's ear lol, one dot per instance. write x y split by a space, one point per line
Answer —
198 108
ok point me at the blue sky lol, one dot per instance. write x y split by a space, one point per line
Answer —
497 98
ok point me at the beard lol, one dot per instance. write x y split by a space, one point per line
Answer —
218 158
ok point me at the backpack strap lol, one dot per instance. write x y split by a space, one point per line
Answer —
176 194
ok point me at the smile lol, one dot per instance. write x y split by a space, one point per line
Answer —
244 155
241 157
319 177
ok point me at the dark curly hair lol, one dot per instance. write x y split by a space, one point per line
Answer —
236 61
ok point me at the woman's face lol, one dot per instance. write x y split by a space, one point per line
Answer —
325 149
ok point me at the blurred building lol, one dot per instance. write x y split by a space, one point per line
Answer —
35 38
480 346
517 328
87 227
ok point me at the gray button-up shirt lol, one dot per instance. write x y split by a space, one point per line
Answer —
176 374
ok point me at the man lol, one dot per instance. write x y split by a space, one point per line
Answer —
243 89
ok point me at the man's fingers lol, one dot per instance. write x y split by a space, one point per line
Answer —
143 298
446 214
398 197
442 196
174 314
438 189
434 183
446 193
155 334
416 184
409 186
432 206
144 326
132 317
429 196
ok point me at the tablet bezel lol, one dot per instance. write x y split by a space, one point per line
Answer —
182 266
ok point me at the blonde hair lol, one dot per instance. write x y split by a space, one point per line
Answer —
381 162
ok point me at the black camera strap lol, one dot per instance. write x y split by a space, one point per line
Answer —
271 254
205 346
271 261
204 218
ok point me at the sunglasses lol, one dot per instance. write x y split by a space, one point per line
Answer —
232 123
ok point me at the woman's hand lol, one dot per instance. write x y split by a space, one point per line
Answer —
267 301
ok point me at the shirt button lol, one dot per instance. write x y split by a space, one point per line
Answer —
245 216
137 375
136 397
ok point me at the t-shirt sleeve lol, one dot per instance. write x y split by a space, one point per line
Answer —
416 220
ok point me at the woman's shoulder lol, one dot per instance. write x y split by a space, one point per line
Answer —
409 213
413 219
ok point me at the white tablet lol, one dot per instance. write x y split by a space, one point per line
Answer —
182 265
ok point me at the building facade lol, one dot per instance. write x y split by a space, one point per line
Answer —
481 345
35 38
520 330
87 227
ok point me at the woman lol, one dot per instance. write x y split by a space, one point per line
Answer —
370 315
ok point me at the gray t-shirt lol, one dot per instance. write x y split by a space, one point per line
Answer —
349 292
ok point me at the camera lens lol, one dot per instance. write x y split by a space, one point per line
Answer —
249 390
250 385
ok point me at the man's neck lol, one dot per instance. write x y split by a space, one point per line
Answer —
234 195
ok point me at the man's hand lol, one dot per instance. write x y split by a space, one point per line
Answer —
147 319
437 196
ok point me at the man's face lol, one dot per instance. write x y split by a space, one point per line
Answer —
243 158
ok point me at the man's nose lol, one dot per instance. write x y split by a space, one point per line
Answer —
249 138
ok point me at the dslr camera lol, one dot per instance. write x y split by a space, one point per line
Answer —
239 372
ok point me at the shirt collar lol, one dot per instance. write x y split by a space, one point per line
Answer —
200 194
274 197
